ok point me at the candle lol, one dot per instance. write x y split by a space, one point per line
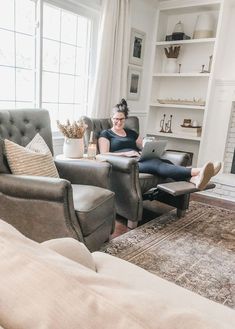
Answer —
91 152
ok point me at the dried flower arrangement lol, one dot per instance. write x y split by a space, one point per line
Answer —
72 130
172 51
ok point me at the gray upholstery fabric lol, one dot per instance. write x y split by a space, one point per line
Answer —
128 184
42 208
93 205
20 126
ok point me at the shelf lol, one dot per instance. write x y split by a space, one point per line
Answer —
174 89
178 106
180 7
183 42
176 136
183 75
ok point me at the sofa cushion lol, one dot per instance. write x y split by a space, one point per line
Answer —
34 159
162 304
73 250
93 205
41 289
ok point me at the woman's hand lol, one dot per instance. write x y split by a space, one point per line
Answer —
131 154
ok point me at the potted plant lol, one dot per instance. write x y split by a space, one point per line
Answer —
73 138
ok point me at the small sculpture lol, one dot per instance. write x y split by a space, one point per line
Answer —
166 126
209 66
162 124
210 63
179 71
172 51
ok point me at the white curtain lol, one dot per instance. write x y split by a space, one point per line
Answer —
112 61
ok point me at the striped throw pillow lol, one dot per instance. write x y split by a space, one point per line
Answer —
35 159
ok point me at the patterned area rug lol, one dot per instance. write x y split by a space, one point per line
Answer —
196 252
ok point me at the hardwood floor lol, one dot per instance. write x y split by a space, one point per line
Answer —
153 209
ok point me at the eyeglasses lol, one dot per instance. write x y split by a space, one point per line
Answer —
117 119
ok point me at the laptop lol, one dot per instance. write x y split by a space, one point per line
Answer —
153 149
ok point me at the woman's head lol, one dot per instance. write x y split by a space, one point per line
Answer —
121 107
120 113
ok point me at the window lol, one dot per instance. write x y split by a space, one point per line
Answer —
65 75
46 57
17 53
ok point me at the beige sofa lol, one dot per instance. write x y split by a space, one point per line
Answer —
60 284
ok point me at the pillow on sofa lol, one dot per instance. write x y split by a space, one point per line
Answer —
73 250
4 167
35 159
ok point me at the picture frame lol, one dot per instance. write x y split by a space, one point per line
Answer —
134 83
137 47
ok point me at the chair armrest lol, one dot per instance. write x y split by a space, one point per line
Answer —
85 172
34 187
177 157
119 163
126 185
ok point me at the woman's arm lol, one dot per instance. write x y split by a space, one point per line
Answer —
104 147
139 142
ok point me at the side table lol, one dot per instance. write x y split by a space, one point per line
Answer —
85 157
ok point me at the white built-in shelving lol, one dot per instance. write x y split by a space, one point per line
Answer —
176 136
181 75
187 82
178 106
184 42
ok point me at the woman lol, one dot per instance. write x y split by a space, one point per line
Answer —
126 142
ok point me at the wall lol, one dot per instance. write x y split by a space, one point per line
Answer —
230 145
219 121
219 113
143 18
226 59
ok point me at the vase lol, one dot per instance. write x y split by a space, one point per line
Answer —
204 26
171 65
73 147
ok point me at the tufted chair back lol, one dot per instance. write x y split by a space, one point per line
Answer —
97 125
20 126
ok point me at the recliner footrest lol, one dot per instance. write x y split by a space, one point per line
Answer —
182 187
151 195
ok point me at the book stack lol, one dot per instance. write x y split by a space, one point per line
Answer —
192 131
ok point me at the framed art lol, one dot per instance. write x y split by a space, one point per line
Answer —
137 46
133 83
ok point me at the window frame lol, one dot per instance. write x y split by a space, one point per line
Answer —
16 33
90 11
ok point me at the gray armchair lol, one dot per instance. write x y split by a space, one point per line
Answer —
79 204
132 187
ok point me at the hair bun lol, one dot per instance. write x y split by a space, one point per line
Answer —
123 102
122 107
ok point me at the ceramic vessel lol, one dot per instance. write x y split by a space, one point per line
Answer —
73 147
171 65
204 26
